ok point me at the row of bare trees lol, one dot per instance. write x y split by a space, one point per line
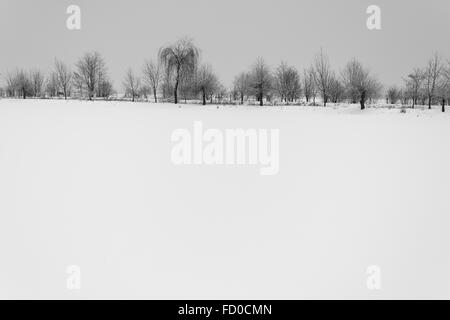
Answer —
424 86
355 83
178 73
88 79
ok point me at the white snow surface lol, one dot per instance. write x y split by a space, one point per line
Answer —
92 184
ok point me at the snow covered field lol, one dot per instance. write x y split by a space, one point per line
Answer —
92 185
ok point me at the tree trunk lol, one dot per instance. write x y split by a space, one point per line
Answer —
175 92
204 96
429 102
242 98
363 99
443 105
154 95
261 99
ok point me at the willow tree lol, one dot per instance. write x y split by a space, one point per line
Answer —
179 58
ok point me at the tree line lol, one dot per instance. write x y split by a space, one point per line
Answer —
177 73
424 86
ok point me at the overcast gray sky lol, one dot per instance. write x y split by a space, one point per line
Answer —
230 33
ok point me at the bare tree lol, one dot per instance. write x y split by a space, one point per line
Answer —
52 85
309 84
37 82
102 79
337 90
152 75
220 92
132 84
241 85
187 86
393 94
261 80
206 82
359 83
287 82
295 88
167 83
90 69
323 75
432 74
145 91
443 86
64 76
180 57
414 84
403 96
78 83
19 84
106 88
11 85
